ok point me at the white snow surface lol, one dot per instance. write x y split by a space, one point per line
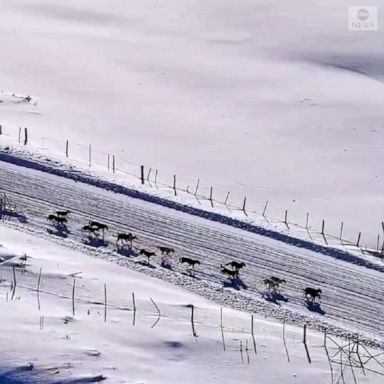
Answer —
51 344
276 100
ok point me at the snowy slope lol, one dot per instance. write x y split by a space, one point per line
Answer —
43 341
350 284
275 100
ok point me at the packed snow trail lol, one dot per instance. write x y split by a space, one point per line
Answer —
352 297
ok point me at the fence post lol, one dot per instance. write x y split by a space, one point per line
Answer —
306 221
105 303
174 184
358 239
25 136
90 155
211 194
113 164
322 227
265 207
142 174
1 130
286 218
244 202
19 135
197 186
66 148
341 231
73 296
226 199
108 161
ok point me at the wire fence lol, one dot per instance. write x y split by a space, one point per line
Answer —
238 335
186 189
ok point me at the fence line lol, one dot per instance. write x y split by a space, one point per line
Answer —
200 193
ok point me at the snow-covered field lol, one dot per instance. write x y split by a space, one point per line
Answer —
276 100
273 100
351 302
43 340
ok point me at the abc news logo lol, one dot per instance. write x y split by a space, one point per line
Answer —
362 18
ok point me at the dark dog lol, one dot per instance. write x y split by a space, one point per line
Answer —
124 237
191 263
235 265
231 273
147 254
166 250
311 294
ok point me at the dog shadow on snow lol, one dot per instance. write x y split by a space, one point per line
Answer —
237 284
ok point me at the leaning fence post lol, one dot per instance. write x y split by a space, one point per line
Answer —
322 227
358 239
14 283
222 328
197 186
305 342
142 174
226 199
244 202
286 218
265 207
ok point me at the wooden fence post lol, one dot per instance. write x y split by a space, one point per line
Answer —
322 227
66 148
108 161
105 303
226 199
265 207
197 186
142 174
358 240
25 136
1 130
222 328
38 290
90 155
19 135
305 343
113 164
244 202
14 283
73 296
306 221
341 231
174 184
